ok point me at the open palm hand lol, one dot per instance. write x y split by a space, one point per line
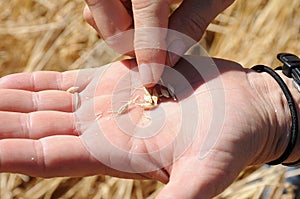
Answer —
201 140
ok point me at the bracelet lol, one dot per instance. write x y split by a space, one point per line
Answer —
291 69
293 111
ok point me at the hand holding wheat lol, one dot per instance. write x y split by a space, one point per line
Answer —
47 131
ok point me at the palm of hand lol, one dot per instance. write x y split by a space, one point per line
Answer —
54 141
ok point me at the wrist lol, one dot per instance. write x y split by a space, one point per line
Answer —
295 155
279 133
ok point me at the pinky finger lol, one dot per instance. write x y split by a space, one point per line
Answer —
48 157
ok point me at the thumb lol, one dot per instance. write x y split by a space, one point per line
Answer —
188 24
199 179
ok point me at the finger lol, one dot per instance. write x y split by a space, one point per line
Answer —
151 21
52 157
36 125
48 157
87 15
26 101
191 20
106 19
128 5
111 18
48 80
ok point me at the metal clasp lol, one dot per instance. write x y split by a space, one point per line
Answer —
290 61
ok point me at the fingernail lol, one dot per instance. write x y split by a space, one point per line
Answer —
150 73
175 51
146 74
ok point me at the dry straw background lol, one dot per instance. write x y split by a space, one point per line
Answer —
52 35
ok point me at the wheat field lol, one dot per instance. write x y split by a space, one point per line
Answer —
52 35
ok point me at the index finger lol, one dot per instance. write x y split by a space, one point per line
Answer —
151 23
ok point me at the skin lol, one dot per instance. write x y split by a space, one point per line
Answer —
42 126
191 19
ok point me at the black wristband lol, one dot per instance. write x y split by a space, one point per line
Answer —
291 69
294 127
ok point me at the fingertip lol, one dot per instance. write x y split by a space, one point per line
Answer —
146 74
88 17
150 73
151 62
175 50
151 85
86 13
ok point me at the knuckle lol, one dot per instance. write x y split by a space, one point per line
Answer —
140 4
195 23
220 5
35 98
144 4
228 2
92 3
